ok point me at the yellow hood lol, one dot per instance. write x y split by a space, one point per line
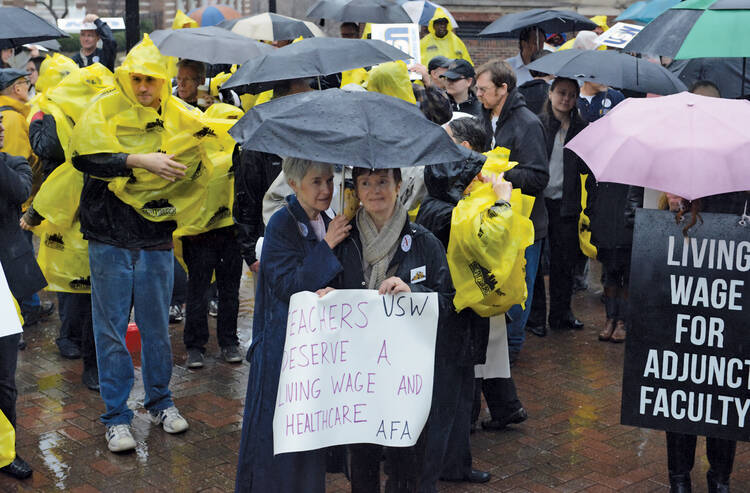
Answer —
439 14
601 21
182 21
392 78
54 69
145 58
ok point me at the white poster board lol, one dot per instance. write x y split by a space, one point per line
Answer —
9 322
619 35
357 367
404 37
75 25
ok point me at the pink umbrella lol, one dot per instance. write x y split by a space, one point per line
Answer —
689 145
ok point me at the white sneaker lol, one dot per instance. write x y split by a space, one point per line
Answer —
119 438
171 420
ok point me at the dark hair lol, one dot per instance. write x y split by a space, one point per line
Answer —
536 56
547 109
500 73
471 130
526 32
198 67
357 172
37 61
353 25
700 84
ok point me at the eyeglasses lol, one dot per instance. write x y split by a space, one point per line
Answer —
24 81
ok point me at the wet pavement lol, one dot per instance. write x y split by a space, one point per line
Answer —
568 381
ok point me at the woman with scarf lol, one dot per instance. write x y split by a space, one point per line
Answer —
297 256
385 252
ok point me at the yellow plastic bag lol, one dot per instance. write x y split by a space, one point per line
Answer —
64 258
486 250
60 195
584 224
7 441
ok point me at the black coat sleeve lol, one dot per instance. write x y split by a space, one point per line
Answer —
109 45
249 189
102 165
532 172
45 143
634 201
15 179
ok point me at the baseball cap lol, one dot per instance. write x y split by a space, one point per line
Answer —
438 62
9 75
459 69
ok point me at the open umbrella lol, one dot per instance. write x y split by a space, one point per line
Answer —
685 144
208 44
20 26
364 129
377 11
272 27
698 29
213 14
645 12
551 21
610 68
312 57
422 11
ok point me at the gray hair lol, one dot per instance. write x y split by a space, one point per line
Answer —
296 168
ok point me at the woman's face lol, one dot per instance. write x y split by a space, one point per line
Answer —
315 190
33 74
564 96
378 192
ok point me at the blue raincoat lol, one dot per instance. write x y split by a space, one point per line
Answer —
292 260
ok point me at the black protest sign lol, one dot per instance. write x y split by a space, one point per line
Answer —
687 356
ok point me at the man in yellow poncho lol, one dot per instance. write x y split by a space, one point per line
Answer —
126 133
441 40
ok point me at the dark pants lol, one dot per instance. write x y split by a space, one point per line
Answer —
402 466
616 273
501 397
8 392
681 456
218 251
179 287
562 234
76 326
447 446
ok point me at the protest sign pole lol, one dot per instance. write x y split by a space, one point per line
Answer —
132 24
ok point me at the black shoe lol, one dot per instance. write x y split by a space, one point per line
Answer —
571 323
516 417
18 469
679 483
539 330
46 309
68 349
21 343
717 483
475 476
37 314
90 378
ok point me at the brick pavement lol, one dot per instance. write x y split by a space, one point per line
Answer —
569 382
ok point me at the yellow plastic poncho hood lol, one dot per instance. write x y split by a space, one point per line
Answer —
182 20
449 46
54 69
117 123
392 78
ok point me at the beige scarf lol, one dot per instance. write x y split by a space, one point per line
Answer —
379 246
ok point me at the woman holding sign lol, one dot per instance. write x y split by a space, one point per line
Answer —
388 253
297 256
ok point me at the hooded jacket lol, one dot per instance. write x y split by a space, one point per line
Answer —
519 130
450 45
392 79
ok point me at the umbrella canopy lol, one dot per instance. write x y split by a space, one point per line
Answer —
645 12
685 144
551 21
272 27
422 11
213 14
208 44
312 57
610 68
364 129
20 26
376 11
698 29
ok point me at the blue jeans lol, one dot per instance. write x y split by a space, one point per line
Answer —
121 277
519 315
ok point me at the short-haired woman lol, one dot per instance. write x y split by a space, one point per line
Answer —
297 256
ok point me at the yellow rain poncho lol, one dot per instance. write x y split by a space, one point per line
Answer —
584 223
599 20
450 45
392 78
54 68
181 21
117 123
486 250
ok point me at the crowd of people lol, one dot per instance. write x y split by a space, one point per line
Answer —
144 175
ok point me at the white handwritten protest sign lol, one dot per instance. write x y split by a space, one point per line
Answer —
357 368
8 315
404 37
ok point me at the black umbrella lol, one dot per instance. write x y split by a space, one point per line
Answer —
610 68
551 21
208 44
364 129
312 57
20 26
272 27
377 11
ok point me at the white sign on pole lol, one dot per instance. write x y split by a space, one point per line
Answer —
619 35
9 322
357 368
75 25
404 37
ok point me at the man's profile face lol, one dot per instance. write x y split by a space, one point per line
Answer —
187 84
441 27
89 38
487 92
147 89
